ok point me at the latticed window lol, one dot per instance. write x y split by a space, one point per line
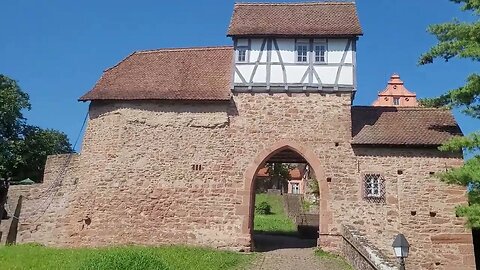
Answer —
302 52
320 52
374 187
242 54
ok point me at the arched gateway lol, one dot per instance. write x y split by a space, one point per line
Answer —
297 153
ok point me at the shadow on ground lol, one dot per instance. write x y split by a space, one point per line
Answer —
267 242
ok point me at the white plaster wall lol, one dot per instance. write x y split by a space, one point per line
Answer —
260 74
256 45
295 73
277 74
346 76
326 72
287 50
246 71
336 48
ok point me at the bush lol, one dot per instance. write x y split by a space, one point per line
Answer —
132 259
263 208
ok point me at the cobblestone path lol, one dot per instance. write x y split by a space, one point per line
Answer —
291 253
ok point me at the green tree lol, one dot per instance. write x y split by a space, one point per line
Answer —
461 40
279 174
12 102
24 148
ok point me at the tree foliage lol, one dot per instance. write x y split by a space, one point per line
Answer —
24 148
461 40
279 173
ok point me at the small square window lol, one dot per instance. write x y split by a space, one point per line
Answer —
242 54
396 101
302 53
320 53
374 187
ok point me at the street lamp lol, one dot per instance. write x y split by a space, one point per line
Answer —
401 247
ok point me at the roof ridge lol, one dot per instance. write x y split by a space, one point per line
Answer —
295 3
117 64
178 49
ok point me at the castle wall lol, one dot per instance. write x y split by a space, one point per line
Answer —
45 207
154 173
417 205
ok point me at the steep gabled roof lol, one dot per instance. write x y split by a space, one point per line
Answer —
168 74
407 126
295 19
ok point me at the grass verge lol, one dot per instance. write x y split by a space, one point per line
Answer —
333 259
277 222
132 258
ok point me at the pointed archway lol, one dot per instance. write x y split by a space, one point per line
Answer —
277 151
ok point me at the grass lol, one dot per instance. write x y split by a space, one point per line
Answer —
132 258
333 259
277 222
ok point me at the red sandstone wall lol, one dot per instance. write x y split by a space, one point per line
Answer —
137 184
45 206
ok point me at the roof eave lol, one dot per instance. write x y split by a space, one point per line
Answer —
295 35
86 99
398 145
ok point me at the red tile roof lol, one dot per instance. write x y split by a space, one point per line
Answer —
168 74
412 126
295 173
295 19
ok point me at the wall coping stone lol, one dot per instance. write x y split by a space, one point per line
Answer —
368 251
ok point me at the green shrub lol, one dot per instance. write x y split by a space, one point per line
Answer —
263 208
132 259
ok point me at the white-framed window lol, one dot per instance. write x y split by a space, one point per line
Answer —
396 101
242 54
374 186
295 188
302 52
320 50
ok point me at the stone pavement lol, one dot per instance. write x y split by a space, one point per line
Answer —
291 253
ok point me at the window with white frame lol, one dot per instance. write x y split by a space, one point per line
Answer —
242 53
396 101
320 53
374 186
302 52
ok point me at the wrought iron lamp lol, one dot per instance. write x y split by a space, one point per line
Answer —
401 247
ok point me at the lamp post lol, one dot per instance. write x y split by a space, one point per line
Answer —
401 247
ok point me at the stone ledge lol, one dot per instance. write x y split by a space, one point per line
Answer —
361 253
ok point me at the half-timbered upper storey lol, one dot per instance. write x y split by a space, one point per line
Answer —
294 46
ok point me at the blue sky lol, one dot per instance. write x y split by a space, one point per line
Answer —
58 49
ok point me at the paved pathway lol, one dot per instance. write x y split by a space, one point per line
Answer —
285 253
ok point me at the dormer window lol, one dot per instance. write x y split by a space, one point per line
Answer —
302 52
242 53
320 53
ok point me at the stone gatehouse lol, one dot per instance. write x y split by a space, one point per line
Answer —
175 138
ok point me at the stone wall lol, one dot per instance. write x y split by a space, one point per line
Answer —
43 216
417 205
155 173
361 254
